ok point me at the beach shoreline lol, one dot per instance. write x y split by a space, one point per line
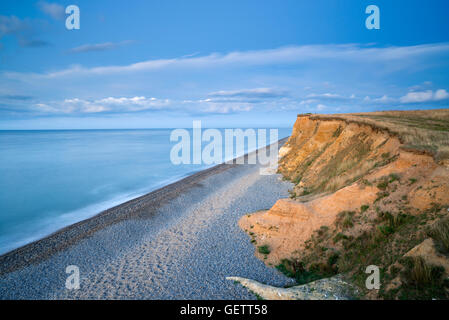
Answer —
143 209
40 249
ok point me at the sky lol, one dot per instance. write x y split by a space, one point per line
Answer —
245 63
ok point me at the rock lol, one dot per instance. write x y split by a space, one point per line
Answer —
429 253
283 151
333 288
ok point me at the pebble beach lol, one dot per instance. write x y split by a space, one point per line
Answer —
178 242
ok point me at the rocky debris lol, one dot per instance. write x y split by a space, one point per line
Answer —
429 253
334 288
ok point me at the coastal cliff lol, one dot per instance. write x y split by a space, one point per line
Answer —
369 189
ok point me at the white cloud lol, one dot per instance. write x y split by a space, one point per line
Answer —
141 103
284 55
109 104
23 30
257 93
308 101
11 25
441 94
42 107
422 86
425 96
98 46
384 99
321 107
327 96
418 96
54 10
224 108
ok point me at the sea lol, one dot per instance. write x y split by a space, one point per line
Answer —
50 179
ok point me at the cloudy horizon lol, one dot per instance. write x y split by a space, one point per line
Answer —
107 76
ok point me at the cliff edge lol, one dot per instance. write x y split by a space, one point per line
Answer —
368 190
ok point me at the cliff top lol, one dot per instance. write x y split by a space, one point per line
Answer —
425 131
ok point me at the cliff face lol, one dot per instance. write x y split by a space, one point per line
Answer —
325 155
352 182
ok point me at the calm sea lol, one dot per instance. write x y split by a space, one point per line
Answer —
51 179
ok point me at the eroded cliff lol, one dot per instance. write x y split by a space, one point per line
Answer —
360 198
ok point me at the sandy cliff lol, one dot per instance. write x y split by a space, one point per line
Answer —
354 182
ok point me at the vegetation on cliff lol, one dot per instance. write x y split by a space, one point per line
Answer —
369 189
419 130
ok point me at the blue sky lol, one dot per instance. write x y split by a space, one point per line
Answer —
145 64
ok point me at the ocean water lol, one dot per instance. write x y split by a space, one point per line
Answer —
51 179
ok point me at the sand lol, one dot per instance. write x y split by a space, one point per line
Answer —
178 242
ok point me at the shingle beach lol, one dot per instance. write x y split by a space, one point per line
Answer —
178 242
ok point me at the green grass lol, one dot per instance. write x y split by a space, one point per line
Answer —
392 222
264 249
440 233
297 180
306 192
258 297
394 177
345 219
385 230
323 230
337 132
382 185
389 238
366 182
420 281
296 270
381 195
340 236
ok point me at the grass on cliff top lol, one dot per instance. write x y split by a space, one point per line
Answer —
421 130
